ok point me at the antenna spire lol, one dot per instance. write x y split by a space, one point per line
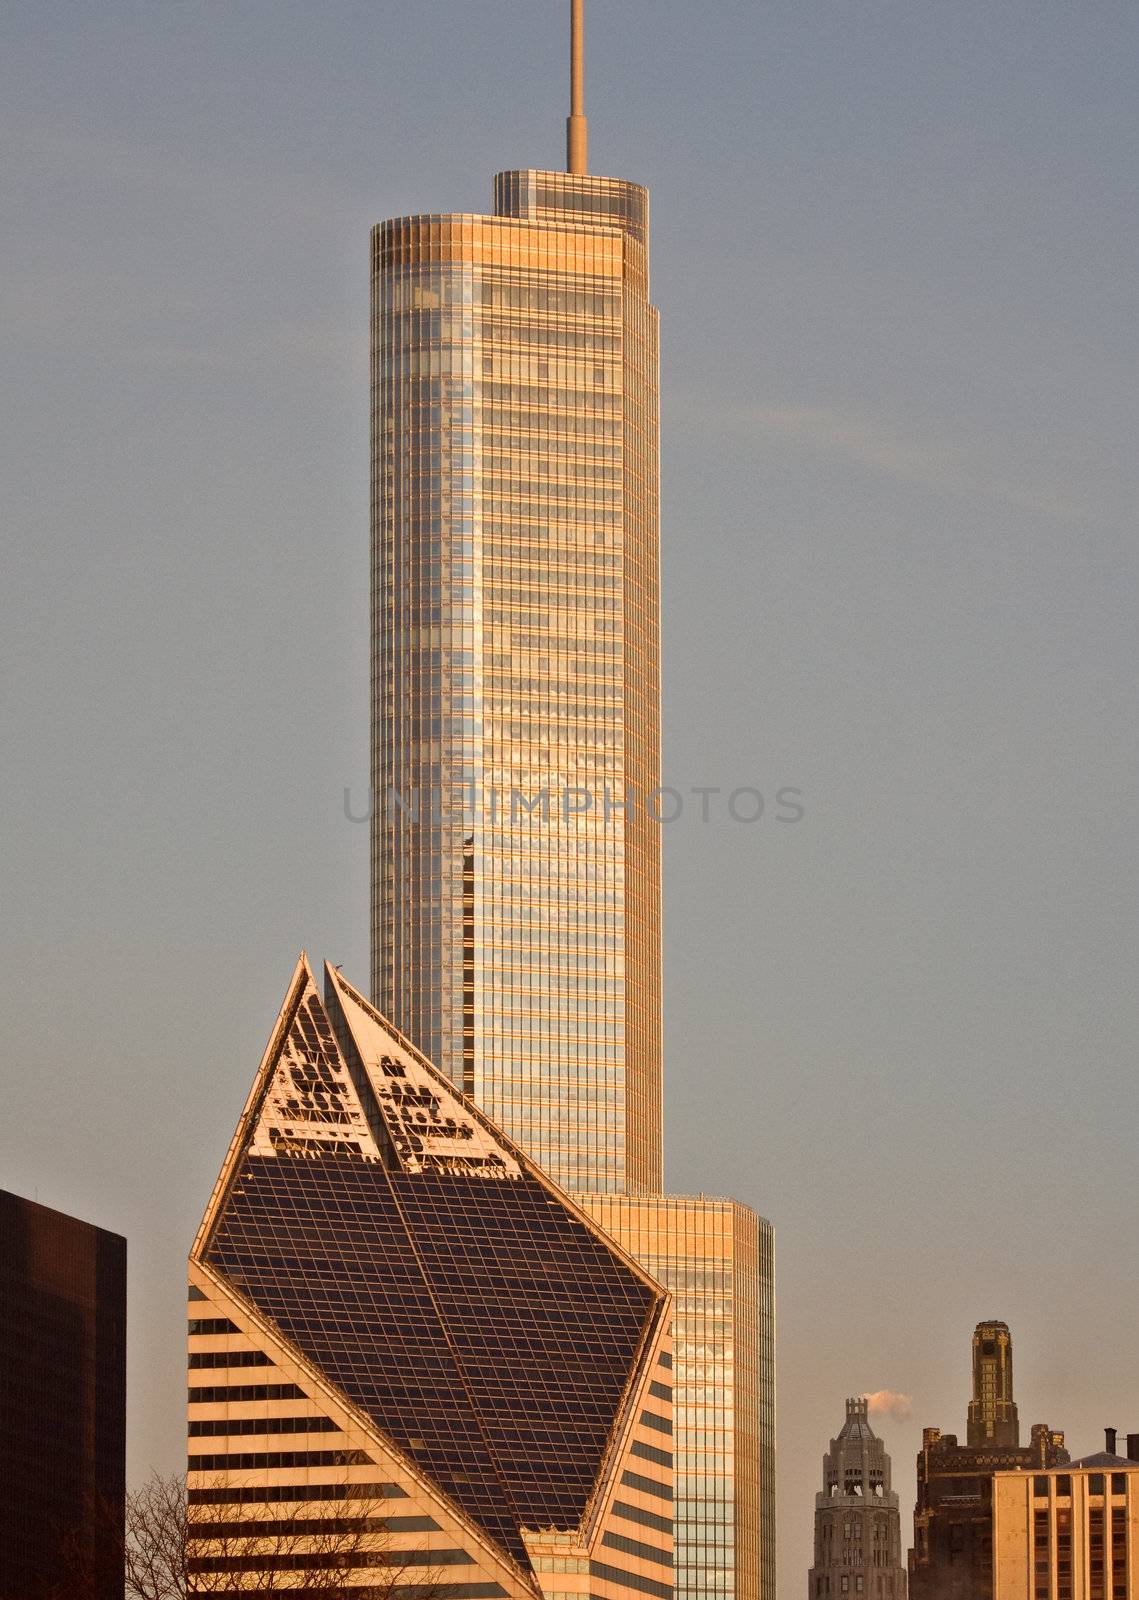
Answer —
577 128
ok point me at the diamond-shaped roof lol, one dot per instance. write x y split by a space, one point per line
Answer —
434 1275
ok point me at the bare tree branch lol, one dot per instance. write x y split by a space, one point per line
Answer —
233 1542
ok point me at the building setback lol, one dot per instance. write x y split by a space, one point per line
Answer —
516 901
1070 1533
411 1357
62 1403
858 1536
952 1554
717 1257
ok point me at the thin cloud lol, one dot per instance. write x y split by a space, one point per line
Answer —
893 448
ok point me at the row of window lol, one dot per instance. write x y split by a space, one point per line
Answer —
318 1561
231 1426
220 1394
1060 1484
284 1493
256 1461
306 1527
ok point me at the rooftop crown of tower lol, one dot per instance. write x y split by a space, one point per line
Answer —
993 1418
856 1514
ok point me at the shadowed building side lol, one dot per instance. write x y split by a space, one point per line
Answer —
62 1403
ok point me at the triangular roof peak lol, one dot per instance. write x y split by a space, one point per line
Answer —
431 1125
303 1100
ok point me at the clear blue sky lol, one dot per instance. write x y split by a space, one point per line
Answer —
894 251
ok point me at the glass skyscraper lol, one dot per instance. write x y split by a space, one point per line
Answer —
717 1258
516 665
516 756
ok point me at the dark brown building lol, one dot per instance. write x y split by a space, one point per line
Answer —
952 1555
62 1404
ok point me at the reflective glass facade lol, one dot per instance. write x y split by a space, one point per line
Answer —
516 751
717 1257
516 708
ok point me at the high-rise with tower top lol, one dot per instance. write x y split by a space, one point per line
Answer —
516 861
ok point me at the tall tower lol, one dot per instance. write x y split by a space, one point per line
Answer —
858 1533
992 1410
516 911
515 681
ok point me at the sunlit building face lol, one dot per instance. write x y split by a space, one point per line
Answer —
516 708
717 1257
516 914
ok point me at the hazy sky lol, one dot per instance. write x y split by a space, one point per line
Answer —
894 248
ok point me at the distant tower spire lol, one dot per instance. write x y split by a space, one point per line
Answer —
577 128
992 1411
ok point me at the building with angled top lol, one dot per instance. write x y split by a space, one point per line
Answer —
1071 1532
858 1536
392 1307
952 1554
516 754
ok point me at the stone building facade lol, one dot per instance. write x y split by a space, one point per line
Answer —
1071 1533
858 1539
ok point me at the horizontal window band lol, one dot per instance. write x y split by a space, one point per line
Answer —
284 1493
652 1420
328 1560
636 1547
647 1519
230 1427
648 1452
634 1480
229 1358
663 1391
253 1461
307 1527
231 1393
436 1591
630 1580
